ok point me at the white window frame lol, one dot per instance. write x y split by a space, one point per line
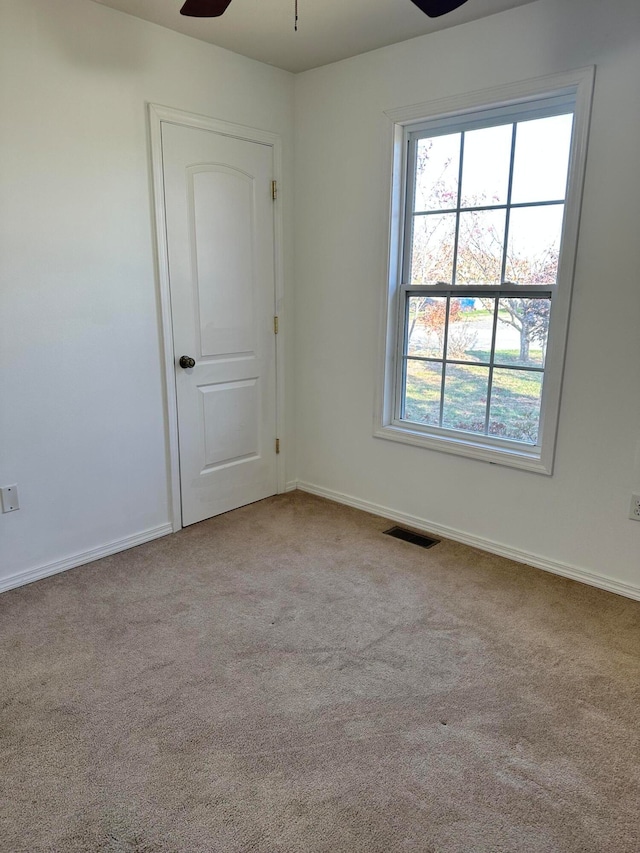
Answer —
575 85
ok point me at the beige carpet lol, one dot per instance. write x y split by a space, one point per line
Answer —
286 679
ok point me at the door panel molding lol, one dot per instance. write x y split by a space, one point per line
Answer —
200 248
157 115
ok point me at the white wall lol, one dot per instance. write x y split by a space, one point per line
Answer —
575 521
82 427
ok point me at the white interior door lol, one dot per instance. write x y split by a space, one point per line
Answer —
220 243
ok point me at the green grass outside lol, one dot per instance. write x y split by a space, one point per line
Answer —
506 357
515 399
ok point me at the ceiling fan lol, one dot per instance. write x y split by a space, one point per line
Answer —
215 8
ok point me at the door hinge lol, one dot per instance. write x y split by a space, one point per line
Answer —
274 190
277 445
276 325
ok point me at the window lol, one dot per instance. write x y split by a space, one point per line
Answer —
484 229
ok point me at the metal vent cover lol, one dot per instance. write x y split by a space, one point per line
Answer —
411 536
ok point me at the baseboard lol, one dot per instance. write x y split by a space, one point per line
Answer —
31 575
538 562
553 566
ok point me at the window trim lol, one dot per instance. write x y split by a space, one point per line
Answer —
576 85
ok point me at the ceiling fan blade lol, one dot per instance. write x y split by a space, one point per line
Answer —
435 8
204 8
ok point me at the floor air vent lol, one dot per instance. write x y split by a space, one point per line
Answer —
410 536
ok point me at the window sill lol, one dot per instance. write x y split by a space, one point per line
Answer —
490 450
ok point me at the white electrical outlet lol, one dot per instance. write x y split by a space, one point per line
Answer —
10 500
634 512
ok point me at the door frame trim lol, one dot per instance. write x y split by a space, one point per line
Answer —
157 114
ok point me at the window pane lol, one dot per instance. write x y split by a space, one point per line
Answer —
426 321
432 248
470 329
465 398
437 172
534 244
521 336
485 166
542 159
480 247
515 405
422 392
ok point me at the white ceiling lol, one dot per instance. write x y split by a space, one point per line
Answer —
328 30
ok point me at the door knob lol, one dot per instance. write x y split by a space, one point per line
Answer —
186 361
